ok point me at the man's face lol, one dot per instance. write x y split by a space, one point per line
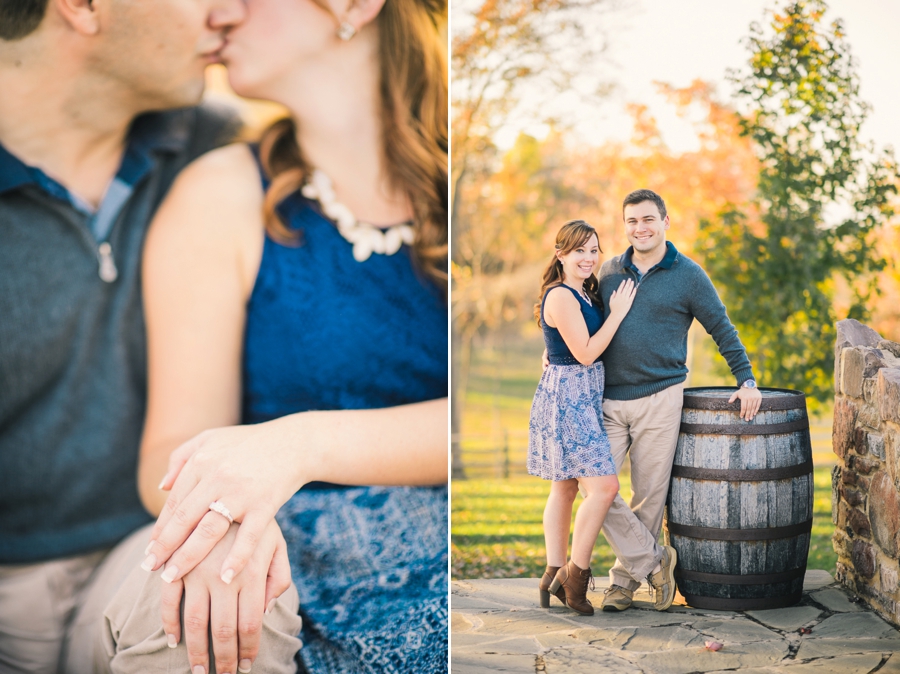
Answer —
644 228
156 52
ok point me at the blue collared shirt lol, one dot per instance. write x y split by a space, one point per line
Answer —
666 263
147 133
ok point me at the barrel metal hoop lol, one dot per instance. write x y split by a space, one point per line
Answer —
739 604
731 579
717 534
744 474
746 429
697 401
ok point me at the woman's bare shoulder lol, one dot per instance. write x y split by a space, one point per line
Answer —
227 175
219 190
557 303
560 295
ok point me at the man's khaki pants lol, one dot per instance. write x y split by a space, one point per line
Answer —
647 429
52 618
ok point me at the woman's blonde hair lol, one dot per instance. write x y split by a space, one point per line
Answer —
413 88
571 235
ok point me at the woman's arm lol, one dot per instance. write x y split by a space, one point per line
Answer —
403 445
200 261
563 312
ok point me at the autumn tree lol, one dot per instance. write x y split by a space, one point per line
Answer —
822 192
509 59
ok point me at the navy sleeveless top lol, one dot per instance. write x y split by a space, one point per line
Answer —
325 332
557 351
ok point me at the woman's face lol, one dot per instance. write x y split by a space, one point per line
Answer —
277 36
579 263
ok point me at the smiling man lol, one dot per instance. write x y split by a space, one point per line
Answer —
95 123
645 372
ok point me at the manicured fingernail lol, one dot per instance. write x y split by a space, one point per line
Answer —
198 669
169 575
149 547
244 666
149 563
165 477
173 642
228 576
270 606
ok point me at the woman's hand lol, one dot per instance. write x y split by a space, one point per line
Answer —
622 298
232 614
241 467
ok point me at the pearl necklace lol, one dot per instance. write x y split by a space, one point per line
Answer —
365 238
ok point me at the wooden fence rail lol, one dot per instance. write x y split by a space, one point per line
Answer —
504 454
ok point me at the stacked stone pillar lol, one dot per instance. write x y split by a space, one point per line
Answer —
865 501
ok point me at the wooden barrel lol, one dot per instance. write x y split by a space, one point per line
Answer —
740 504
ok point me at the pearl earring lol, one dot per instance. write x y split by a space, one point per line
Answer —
346 31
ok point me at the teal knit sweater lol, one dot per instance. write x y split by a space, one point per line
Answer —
649 350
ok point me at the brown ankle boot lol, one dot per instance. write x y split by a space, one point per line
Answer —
575 582
546 579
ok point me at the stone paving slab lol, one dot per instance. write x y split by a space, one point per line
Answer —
835 600
497 626
847 664
818 648
788 619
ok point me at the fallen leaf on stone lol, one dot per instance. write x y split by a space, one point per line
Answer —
805 630
713 646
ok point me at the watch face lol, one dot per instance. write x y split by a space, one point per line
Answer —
749 384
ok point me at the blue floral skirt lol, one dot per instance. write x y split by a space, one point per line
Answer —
566 438
370 564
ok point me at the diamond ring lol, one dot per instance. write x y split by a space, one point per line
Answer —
219 507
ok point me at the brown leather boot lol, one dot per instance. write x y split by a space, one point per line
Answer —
575 582
546 579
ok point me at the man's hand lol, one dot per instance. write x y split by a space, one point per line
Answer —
232 614
750 399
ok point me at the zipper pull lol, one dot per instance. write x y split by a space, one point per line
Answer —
107 271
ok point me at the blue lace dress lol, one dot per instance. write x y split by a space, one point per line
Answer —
566 437
325 332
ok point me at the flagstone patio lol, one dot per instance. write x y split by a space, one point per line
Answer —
497 626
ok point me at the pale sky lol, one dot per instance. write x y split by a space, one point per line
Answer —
677 42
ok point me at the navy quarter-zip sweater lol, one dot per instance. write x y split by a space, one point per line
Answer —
648 353
72 344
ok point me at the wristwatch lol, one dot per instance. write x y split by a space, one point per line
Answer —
749 384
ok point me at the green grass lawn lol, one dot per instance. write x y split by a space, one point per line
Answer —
496 523
497 531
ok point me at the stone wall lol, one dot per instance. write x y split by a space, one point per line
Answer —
865 500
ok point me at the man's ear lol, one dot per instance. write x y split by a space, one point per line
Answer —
362 12
81 15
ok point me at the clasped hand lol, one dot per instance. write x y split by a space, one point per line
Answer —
231 614
229 573
239 466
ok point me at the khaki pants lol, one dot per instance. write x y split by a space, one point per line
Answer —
52 618
647 428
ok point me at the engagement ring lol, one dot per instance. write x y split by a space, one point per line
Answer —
219 507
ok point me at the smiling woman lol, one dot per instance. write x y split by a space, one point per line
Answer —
567 441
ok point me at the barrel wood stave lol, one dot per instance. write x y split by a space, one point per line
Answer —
742 505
